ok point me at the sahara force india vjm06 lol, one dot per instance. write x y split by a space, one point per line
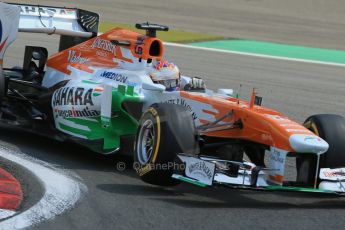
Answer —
97 91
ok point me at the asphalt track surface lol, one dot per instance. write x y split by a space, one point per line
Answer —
318 23
119 200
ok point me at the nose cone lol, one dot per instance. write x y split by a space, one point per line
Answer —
308 143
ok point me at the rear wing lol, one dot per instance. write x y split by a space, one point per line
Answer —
74 25
9 20
71 22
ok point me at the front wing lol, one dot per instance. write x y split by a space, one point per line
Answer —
209 171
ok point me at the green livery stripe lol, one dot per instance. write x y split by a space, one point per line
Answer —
298 189
191 181
130 90
105 119
94 126
121 89
90 82
74 130
109 129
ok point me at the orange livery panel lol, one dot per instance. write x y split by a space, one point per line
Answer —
259 124
107 51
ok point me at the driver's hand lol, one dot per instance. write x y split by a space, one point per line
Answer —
195 84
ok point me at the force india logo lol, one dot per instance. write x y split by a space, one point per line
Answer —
70 97
70 113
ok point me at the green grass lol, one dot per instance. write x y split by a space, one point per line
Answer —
170 36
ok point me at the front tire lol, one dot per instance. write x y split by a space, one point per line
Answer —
331 128
164 131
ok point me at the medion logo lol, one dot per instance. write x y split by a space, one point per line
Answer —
72 96
102 44
114 76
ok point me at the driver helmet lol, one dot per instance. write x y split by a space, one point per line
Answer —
167 74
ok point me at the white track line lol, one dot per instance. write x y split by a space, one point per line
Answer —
253 55
62 191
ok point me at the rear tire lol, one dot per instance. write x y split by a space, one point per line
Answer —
164 131
331 128
2 84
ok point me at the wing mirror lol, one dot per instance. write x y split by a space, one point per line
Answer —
37 56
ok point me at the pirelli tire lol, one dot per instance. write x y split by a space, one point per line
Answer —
164 130
331 128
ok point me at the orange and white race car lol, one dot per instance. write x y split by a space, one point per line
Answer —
115 90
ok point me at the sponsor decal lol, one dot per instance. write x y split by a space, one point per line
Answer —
198 169
72 96
101 53
97 91
153 111
86 112
277 162
180 101
275 156
102 44
312 138
47 11
147 168
201 168
138 45
76 57
332 174
114 76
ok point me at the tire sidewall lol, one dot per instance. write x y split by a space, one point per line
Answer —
175 133
143 169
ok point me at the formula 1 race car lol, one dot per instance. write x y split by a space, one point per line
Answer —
96 91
